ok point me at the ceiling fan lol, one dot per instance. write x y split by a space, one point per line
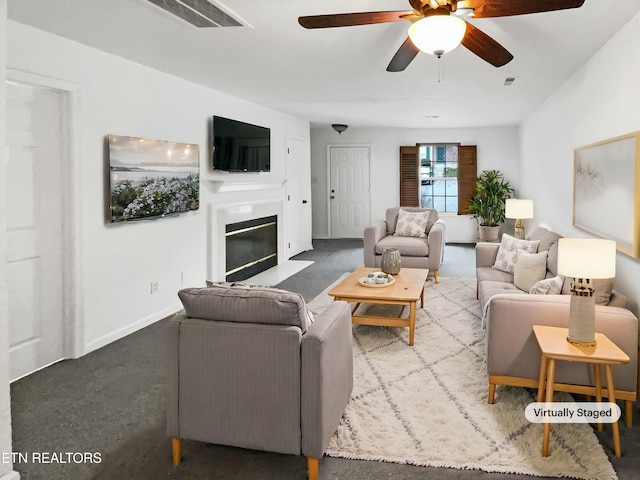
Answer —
443 18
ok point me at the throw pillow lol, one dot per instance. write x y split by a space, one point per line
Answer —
242 303
211 284
602 288
412 224
508 252
529 269
548 286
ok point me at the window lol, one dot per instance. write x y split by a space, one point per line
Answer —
440 176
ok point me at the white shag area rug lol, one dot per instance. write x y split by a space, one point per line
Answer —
427 405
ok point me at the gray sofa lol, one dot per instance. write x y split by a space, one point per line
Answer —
247 368
417 252
513 354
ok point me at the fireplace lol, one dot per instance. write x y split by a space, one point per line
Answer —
223 218
251 247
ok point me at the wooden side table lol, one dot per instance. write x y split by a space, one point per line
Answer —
554 345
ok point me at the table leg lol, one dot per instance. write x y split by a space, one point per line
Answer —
596 377
422 298
543 378
412 322
551 373
612 399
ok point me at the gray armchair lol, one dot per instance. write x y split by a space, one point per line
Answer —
417 252
247 368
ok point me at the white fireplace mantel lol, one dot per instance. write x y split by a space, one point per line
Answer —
218 185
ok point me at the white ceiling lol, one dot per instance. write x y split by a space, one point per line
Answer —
338 75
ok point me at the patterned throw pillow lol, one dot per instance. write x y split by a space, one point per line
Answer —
508 252
548 286
412 224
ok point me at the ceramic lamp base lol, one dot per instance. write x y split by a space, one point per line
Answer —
582 318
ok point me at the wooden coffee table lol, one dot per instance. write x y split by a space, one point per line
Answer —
407 289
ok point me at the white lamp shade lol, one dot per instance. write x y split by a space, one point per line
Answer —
437 34
587 257
518 208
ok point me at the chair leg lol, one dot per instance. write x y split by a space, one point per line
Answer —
492 394
436 275
176 450
312 466
628 413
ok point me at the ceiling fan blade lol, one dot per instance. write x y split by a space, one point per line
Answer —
351 19
485 47
403 57
506 8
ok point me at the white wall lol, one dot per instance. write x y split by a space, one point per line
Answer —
117 263
6 471
498 148
598 102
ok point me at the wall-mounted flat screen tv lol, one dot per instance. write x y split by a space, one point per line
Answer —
240 146
152 178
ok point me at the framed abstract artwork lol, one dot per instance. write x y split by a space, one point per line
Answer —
606 191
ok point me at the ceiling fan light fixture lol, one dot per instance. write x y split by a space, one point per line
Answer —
339 127
437 34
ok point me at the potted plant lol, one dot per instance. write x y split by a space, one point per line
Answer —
488 203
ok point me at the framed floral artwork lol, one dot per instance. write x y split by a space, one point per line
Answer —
606 191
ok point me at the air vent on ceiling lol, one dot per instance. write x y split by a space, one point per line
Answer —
200 13
508 81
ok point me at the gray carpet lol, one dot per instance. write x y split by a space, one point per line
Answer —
111 402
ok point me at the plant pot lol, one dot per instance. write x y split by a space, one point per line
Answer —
489 234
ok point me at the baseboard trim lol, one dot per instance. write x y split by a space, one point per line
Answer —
12 475
129 329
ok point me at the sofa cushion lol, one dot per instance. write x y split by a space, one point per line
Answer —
552 259
529 269
246 304
408 246
546 238
548 241
412 224
493 274
489 288
548 286
508 251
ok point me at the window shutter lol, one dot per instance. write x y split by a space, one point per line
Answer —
467 172
409 177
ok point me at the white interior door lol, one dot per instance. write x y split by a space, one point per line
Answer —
34 227
298 196
349 191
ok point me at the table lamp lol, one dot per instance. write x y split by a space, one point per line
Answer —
518 208
585 259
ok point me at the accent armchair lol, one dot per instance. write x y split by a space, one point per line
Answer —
420 241
247 368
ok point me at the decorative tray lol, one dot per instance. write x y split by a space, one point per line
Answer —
390 281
